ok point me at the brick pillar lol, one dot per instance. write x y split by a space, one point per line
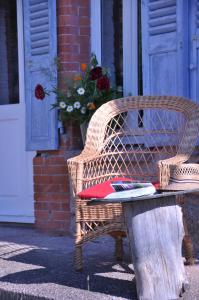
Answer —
73 35
51 183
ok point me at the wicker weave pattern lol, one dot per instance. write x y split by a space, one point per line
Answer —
183 171
138 137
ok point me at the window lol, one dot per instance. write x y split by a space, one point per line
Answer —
112 46
114 39
9 84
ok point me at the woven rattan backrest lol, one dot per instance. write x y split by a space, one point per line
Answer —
128 136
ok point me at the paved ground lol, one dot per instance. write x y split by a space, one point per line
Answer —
37 266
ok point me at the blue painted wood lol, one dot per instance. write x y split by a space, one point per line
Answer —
165 48
194 49
193 12
40 68
164 55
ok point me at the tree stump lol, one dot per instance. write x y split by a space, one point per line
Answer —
155 231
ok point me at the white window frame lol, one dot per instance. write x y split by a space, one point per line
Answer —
130 42
20 51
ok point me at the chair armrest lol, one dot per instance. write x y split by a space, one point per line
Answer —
76 168
164 168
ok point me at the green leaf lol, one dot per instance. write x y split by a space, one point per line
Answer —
94 61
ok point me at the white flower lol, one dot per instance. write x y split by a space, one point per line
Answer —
62 104
77 104
81 91
69 108
83 110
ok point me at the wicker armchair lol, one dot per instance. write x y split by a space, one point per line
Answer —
136 137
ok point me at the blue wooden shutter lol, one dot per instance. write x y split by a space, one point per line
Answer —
40 37
165 59
194 50
164 46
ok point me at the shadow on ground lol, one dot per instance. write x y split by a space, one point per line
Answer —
38 264
100 276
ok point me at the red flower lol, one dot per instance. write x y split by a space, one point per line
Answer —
39 92
95 73
103 83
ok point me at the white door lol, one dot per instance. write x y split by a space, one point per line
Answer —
16 174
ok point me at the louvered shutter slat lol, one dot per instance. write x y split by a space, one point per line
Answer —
42 28
39 22
40 51
39 7
40 14
162 12
38 3
161 4
163 21
40 36
40 44
162 29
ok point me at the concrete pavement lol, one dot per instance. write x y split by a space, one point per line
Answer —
37 266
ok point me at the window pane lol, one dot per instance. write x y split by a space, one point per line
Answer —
112 52
9 86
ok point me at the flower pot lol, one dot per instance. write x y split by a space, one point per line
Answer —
83 128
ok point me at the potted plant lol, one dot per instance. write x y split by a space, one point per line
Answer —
84 93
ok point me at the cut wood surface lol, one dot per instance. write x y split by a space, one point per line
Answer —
155 232
160 194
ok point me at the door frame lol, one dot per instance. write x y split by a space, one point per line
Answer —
20 51
130 42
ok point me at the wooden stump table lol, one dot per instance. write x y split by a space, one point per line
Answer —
155 230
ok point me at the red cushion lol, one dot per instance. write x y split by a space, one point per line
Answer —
100 190
156 185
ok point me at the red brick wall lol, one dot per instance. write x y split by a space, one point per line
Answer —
73 34
51 183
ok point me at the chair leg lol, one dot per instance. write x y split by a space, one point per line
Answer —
78 258
187 242
119 248
188 246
